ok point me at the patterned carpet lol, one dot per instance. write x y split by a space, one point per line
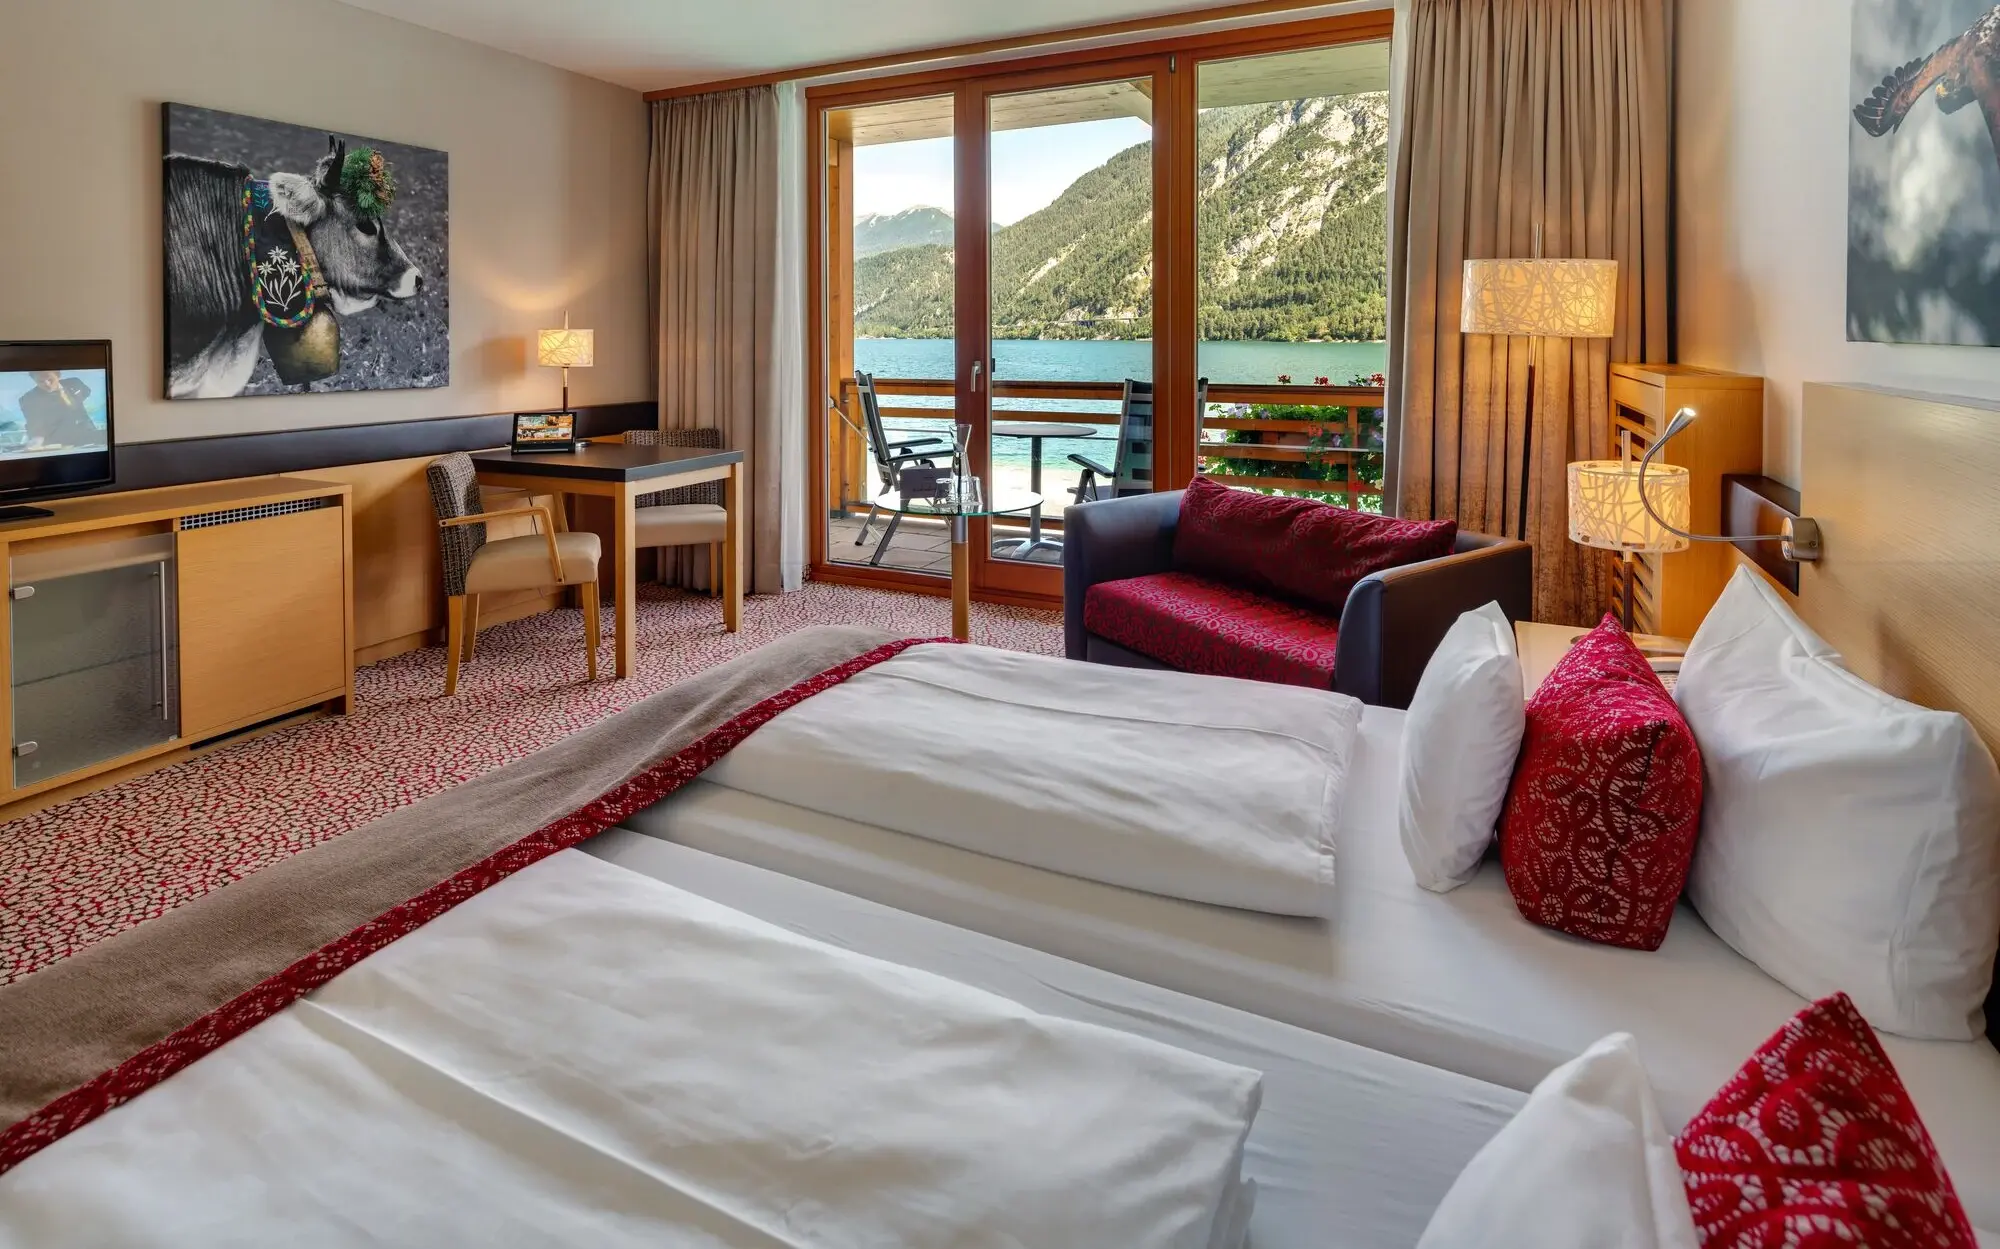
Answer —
77 873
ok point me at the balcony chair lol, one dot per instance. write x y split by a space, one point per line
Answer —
686 515
1132 459
890 457
474 565
1376 651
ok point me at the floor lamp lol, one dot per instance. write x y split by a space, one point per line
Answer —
1539 299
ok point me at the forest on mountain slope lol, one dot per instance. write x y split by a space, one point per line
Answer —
1292 240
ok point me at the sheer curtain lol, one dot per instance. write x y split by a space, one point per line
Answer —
1519 116
726 266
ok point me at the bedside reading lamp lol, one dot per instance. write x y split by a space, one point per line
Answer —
566 349
1609 510
1798 540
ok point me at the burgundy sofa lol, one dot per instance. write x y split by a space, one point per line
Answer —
1119 576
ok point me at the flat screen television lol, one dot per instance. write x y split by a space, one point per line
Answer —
55 422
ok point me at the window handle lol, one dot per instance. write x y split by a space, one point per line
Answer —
978 368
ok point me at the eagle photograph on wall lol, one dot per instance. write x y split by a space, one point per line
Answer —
1923 205
300 259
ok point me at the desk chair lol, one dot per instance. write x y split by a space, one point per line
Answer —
473 565
686 515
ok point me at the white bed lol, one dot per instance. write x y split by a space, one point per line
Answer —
1351 1148
536 1067
1457 981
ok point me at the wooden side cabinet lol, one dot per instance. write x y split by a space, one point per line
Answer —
139 627
263 606
1671 593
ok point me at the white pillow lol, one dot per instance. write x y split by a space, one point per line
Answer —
1460 742
1850 841
1587 1163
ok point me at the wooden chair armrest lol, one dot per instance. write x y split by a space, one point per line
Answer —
480 518
547 529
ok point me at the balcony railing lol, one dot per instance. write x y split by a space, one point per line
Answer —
1270 438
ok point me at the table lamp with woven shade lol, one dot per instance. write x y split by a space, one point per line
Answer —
1607 512
1539 299
566 349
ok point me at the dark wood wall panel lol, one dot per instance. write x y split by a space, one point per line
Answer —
182 461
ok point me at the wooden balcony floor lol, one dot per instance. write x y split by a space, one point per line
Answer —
921 545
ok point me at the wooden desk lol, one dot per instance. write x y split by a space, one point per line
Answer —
1542 647
622 473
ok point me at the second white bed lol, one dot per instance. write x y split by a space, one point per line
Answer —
1351 1148
1457 981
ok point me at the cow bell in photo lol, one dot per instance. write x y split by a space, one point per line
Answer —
309 353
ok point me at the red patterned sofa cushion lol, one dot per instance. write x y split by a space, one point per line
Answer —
1198 625
1815 1142
1601 816
1309 552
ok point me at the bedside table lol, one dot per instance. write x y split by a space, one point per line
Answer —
1542 647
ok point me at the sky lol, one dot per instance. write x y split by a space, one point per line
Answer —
1030 167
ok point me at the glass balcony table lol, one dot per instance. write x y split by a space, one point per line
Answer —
959 500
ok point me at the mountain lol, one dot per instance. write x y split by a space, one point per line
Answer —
913 227
1292 241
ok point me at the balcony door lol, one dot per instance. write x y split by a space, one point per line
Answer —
1057 234
1006 247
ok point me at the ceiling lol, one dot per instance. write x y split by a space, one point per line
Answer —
1341 69
650 44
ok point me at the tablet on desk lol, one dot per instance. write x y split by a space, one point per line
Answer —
545 431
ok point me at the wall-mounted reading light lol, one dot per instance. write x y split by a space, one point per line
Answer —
1798 540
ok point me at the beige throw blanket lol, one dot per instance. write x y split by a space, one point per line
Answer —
96 1029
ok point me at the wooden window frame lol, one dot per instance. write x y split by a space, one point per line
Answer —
1175 291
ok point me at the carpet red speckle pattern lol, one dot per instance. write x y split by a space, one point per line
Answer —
72 875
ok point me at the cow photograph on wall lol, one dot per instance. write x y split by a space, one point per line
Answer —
301 260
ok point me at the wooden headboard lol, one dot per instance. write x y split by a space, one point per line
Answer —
1906 490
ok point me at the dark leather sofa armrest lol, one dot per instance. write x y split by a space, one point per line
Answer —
1395 619
1110 540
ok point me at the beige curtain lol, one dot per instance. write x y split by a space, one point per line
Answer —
1521 115
722 312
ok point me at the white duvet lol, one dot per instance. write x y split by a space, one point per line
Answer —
584 1056
1203 788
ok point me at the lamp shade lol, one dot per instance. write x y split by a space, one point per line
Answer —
1550 298
1605 510
567 348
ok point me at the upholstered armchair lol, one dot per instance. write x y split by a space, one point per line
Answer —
475 565
686 515
1392 621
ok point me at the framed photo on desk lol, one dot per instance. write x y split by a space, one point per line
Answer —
544 431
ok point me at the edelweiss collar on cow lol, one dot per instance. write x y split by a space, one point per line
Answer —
284 274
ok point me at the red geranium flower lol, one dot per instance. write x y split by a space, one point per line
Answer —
1320 381
1284 379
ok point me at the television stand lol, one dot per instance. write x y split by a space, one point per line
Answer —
24 512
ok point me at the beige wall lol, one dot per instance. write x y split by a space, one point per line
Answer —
1764 124
547 191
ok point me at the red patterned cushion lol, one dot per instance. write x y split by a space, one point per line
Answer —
1815 1143
1198 625
1299 549
1601 816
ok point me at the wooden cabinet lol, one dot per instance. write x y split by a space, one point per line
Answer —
1671 593
263 606
141 626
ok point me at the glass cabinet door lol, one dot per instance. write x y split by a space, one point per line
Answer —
94 666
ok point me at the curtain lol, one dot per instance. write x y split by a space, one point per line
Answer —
1519 118
727 304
